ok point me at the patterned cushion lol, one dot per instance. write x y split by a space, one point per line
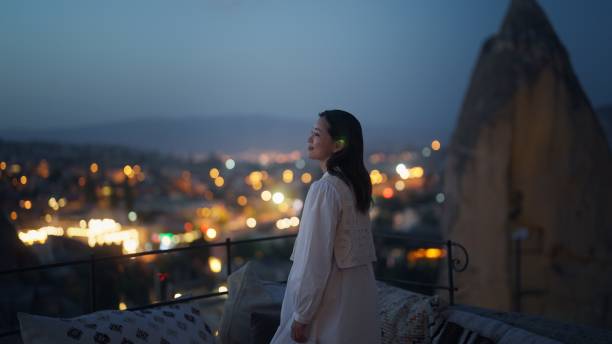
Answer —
408 317
179 323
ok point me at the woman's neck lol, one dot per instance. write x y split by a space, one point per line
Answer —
323 164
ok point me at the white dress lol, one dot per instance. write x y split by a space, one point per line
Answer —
339 305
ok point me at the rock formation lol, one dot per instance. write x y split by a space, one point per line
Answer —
605 117
528 152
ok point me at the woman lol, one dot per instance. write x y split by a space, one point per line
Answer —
331 292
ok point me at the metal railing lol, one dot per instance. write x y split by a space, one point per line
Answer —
454 264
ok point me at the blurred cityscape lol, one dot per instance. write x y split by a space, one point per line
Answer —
67 202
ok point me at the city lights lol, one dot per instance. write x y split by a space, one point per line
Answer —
407 173
426 152
278 197
211 233
376 177
266 195
241 200
32 236
424 253
15 169
387 192
165 241
128 171
25 204
417 172
286 222
400 168
403 172
297 204
132 216
400 185
205 212
53 204
214 264
306 178
287 176
182 205
130 245
56 204
96 232
43 169
107 191
294 221
282 224
255 177
213 173
219 181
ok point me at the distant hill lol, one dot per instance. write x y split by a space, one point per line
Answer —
605 117
218 134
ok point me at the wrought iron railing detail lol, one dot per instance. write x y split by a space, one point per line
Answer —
458 264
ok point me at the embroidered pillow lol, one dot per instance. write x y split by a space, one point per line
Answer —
179 323
407 317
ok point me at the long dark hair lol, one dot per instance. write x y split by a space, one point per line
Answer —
347 163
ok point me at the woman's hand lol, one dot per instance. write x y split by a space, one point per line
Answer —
298 332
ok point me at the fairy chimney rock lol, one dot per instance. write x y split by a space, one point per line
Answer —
529 152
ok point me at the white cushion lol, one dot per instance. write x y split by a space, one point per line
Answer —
248 293
179 323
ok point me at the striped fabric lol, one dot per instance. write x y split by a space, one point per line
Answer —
450 332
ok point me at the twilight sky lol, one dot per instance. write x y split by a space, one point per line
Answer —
72 63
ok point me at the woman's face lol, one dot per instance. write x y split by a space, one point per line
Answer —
320 143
